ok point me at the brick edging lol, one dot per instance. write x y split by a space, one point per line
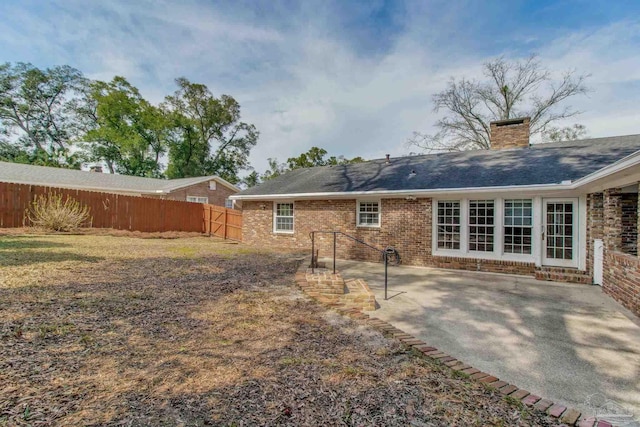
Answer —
568 416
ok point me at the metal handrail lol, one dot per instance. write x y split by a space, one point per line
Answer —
384 252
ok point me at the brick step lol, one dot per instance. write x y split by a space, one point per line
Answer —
560 274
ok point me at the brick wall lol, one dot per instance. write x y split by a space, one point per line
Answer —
406 225
622 279
612 211
216 197
629 211
513 133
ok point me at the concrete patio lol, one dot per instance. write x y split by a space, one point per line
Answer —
561 341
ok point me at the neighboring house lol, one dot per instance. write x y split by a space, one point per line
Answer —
202 189
538 210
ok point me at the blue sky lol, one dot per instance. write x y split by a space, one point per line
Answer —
355 78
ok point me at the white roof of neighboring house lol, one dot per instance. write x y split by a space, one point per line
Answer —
71 178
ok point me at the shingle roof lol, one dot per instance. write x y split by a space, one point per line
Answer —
70 178
550 163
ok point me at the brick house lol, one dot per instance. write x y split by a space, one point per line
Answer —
564 211
203 189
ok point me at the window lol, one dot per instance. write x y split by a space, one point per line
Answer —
283 220
518 226
481 225
449 224
369 214
228 203
197 199
212 185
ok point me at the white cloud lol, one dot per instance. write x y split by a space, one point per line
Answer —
301 79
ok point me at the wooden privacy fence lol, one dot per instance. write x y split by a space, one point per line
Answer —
222 222
122 212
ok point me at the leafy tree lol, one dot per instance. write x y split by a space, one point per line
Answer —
251 180
511 89
37 115
314 157
275 169
124 130
209 137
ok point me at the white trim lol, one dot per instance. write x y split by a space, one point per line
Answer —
498 253
536 233
275 216
199 181
582 232
379 202
624 163
197 199
577 242
389 194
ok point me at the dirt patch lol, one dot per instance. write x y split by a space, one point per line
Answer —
105 330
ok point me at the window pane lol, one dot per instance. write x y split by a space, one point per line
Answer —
284 217
369 213
481 230
448 225
518 221
284 224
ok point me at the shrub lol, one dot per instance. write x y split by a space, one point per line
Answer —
53 212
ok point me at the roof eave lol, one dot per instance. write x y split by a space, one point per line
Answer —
405 193
88 187
216 178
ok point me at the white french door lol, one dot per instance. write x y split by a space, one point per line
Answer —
560 232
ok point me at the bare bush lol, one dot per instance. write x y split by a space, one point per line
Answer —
54 212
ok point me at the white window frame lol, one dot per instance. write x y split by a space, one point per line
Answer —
358 203
197 199
498 236
229 204
213 185
577 235
532 226
437 223
275 216
493 226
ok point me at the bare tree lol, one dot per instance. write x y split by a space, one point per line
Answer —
511 89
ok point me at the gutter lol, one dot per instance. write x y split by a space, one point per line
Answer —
415 193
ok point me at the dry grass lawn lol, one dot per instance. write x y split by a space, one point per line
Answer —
117 330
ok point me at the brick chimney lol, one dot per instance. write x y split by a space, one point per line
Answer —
510 133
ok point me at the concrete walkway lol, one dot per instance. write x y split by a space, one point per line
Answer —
560 341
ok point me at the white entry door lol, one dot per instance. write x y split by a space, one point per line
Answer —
560 232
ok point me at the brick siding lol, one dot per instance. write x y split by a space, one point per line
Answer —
216 197
622 279
621 272
629 211
405 225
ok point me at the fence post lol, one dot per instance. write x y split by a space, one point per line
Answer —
224 224
385 275
334 253
313 251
